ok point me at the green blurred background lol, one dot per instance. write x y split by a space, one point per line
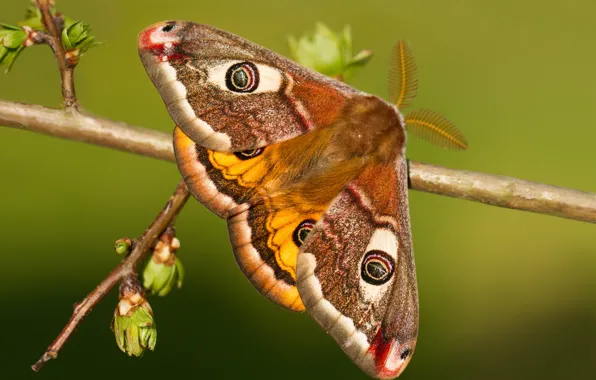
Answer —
503 294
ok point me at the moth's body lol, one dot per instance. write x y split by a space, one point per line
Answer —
311 176
319 165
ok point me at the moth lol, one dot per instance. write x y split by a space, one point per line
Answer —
311 176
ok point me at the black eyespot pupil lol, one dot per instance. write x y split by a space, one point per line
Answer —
405 353
376 270
301 232
248 154
242 77
167 28
377 267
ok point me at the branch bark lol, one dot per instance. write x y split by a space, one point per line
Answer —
54 39
85 128
479 187
126 269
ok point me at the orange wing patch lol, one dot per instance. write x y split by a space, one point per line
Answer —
266 226
220 181
247 173
284 226
266 241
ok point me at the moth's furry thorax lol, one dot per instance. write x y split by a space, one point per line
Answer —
321 163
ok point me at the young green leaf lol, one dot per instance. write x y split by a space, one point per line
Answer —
360 59
327 52
77 36
33 18
12 40
346 45
9 27
9 57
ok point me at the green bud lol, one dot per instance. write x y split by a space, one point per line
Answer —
320 51
122 246
163 270
77 36
328 52
134 326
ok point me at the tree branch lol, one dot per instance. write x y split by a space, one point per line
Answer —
485 188
124 270
504 191
85 128
54 39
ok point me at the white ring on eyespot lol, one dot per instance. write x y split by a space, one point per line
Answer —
270 79
383 240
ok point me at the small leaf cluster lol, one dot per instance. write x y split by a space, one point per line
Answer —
77 39
133 323
12 42
328 52
75 36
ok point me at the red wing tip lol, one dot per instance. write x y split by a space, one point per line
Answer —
390 357
160 39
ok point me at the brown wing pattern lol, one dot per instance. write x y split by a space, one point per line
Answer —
198 69
220 181
266 240
310 175
265 229
356 272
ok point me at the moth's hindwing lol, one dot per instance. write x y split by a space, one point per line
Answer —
265 230
266 240
356 272
220 181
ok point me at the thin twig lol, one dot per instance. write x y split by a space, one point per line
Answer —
485 188
54 39
124 269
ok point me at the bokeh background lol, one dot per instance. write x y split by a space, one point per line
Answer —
503 294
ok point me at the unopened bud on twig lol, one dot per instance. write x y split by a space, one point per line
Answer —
123 246
163 270
133 323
